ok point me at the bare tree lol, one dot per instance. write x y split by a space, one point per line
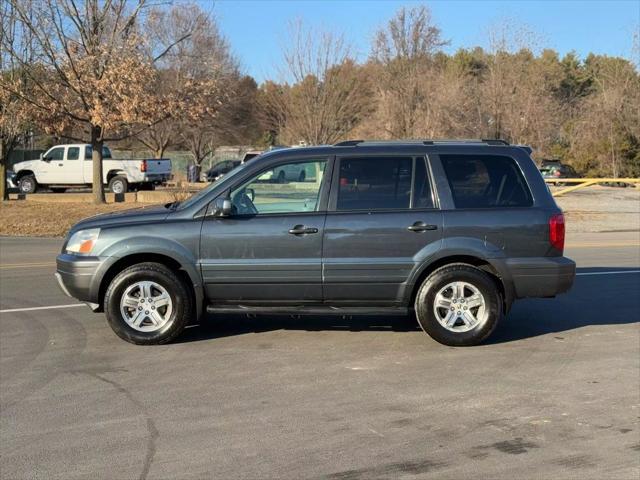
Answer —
322 96
404 51
200 72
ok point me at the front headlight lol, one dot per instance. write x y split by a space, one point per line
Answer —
83 241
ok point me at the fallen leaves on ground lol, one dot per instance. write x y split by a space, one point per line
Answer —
38 219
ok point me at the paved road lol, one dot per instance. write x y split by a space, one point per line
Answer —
555 394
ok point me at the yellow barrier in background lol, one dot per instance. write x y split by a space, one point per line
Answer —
585 182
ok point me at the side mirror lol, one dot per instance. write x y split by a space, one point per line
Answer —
222 207
41 156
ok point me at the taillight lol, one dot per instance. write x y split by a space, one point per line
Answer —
557 173
143 166
556 231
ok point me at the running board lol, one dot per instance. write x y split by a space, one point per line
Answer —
305 310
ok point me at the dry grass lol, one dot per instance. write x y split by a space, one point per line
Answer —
36 219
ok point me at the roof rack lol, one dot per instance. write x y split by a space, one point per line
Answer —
486 141
348 143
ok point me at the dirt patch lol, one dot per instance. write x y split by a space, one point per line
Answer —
601 209
36 219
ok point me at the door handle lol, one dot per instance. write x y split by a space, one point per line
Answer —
421 227
60 164
302 230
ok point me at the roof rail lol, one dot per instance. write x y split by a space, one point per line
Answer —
487 141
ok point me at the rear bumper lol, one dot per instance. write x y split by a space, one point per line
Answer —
76 276
156 177
541 277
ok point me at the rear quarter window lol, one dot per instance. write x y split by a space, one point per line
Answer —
486 181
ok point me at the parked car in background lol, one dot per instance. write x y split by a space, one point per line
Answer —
453 231
557 169
221 169
65 166
225 166
287 173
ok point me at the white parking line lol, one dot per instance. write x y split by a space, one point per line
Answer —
608 273
50 307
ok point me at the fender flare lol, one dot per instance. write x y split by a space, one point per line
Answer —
143 245
456 247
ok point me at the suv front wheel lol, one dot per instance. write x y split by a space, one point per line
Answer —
458 305
148 304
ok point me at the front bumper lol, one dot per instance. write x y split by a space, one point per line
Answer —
76 276
541 277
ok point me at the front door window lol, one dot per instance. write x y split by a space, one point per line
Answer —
289 188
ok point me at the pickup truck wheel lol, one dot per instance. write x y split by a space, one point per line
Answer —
118 184
148 304
28 184
458 305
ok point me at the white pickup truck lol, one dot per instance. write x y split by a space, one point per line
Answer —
65 166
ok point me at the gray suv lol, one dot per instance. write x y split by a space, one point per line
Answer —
454 231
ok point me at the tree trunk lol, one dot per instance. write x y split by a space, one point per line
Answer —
4 193
96 158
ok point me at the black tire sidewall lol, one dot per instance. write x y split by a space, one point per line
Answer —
32 181
121 180
437 280
174 286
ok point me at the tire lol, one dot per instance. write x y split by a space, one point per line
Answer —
302 176
28 184
58 190
463 331
118 184
152 328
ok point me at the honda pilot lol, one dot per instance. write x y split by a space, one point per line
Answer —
451 231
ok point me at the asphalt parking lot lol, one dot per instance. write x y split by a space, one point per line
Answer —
554 394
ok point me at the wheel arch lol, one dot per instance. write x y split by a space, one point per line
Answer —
183 269
24 173
115 173
479 262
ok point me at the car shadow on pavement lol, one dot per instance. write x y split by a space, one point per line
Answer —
595 299
599 296
225 325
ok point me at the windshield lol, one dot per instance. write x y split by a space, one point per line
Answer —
202 193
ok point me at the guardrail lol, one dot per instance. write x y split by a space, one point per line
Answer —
585 182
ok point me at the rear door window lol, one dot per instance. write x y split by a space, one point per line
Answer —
374 183
485 181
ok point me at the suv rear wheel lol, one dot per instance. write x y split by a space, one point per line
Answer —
458 305
148 304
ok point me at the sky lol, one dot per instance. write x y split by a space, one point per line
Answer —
257 29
